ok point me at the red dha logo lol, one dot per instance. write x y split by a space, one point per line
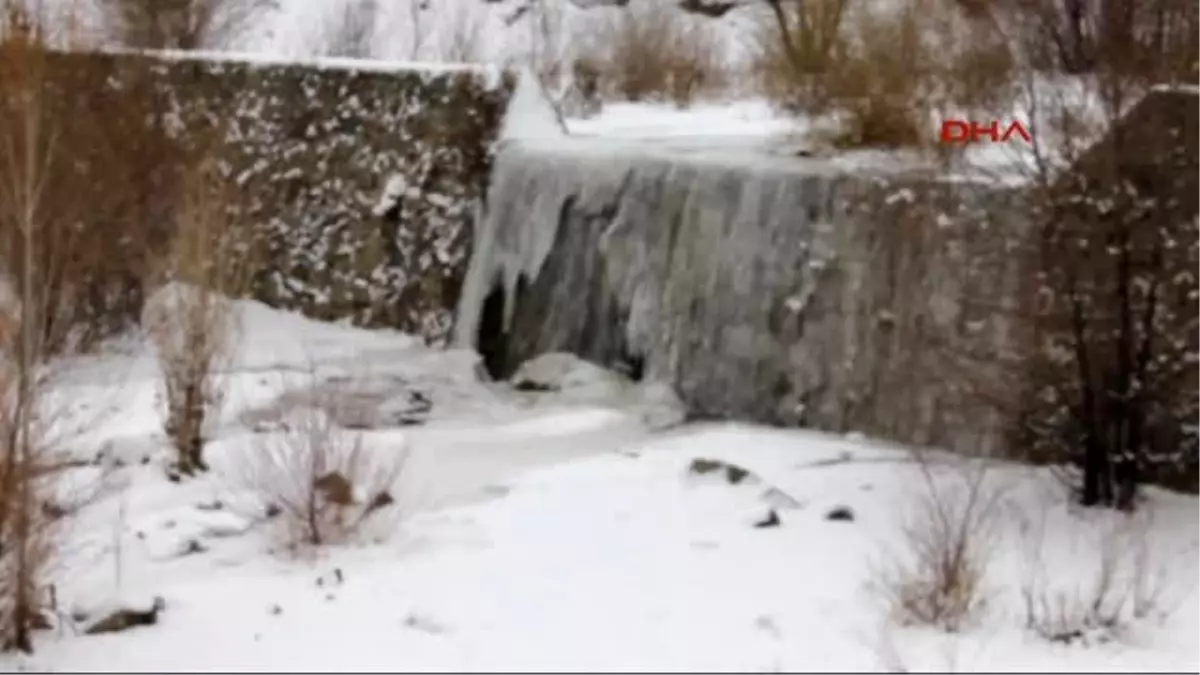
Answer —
962 131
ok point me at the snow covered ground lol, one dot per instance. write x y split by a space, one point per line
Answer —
561 531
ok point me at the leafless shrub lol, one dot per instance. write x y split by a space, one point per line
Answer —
191 321
883 69
653 55
937 576
1118 581
321 482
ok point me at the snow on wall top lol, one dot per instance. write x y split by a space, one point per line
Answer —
322 63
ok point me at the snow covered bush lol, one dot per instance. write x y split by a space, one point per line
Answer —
320 482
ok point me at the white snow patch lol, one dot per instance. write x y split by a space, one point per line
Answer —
511 557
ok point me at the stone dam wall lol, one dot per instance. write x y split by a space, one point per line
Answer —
307 149
788 292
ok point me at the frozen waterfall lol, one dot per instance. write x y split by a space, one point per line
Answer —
779 290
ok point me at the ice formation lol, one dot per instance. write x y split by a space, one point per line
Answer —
784 291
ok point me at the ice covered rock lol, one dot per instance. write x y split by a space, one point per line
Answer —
563 372
658 405
124 613
530 113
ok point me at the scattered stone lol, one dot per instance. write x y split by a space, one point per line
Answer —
766 623
274 610
866 487
337 575
776 498
842 513
702 466
424 624
126 617
330 597
192 547
495 490
272 511
733 473
772 520
145 460
214 505
705 545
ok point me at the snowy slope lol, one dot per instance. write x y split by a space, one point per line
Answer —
557 532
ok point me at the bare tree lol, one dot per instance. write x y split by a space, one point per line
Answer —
351 36
1102 375
32 425
181 24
